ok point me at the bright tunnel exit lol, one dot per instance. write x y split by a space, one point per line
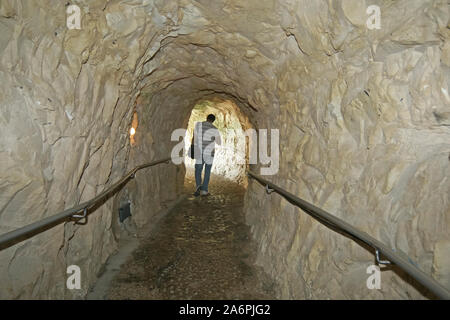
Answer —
231 157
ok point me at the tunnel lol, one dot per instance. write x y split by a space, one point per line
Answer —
356 90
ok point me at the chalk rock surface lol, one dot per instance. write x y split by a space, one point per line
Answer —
363 115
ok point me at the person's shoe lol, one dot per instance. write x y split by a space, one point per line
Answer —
197 192
204 193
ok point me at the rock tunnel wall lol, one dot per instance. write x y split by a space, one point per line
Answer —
363 118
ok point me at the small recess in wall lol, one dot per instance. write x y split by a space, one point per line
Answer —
125 211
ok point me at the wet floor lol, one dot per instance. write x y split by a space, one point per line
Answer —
200 250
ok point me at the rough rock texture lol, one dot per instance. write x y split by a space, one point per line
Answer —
363 116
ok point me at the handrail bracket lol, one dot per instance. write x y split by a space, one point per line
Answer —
379 261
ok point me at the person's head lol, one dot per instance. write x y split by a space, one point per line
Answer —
211 118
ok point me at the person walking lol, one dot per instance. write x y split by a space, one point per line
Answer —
206 136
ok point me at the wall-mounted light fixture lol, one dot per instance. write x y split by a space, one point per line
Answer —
134 125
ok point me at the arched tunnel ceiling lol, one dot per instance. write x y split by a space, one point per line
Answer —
215 57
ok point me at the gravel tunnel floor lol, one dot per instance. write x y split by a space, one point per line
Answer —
201 250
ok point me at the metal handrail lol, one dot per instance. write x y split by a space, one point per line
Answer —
334 222
13 237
